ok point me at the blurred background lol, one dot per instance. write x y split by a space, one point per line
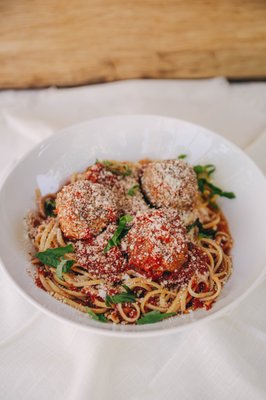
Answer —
69 43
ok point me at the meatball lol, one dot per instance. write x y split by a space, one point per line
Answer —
156 242
84 209
170 183
91 256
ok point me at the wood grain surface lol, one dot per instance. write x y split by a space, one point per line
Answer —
65 43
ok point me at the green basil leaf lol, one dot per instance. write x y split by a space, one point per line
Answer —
182 156
203 174
207 169
120 298
214 190
154 316
59 268
48 259
220 192
97 317
51 257
201 183
108 300
109 245
126 219
63 266
120 232
213 205
128 290
195 223
207 235
102 318
49 207
203 233
198 169
133 190
58 251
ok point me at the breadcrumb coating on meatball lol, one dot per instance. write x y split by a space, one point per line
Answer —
170 183
157 242
84 209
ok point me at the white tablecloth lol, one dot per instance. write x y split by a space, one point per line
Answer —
41 358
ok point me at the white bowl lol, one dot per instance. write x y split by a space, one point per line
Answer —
132 138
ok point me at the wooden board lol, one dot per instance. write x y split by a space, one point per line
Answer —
67 43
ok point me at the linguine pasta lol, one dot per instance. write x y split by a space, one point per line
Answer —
136 295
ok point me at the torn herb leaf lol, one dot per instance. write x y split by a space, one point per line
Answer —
124 297
49 207
207 169
52 257
203 175
207 233
120 232
96 317
128 290
182 156
154 316
63 266
204 184
133 190
217 191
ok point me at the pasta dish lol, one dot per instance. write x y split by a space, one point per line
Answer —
133 243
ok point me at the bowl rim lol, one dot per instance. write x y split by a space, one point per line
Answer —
113 332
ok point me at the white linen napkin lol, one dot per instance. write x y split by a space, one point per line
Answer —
42 358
